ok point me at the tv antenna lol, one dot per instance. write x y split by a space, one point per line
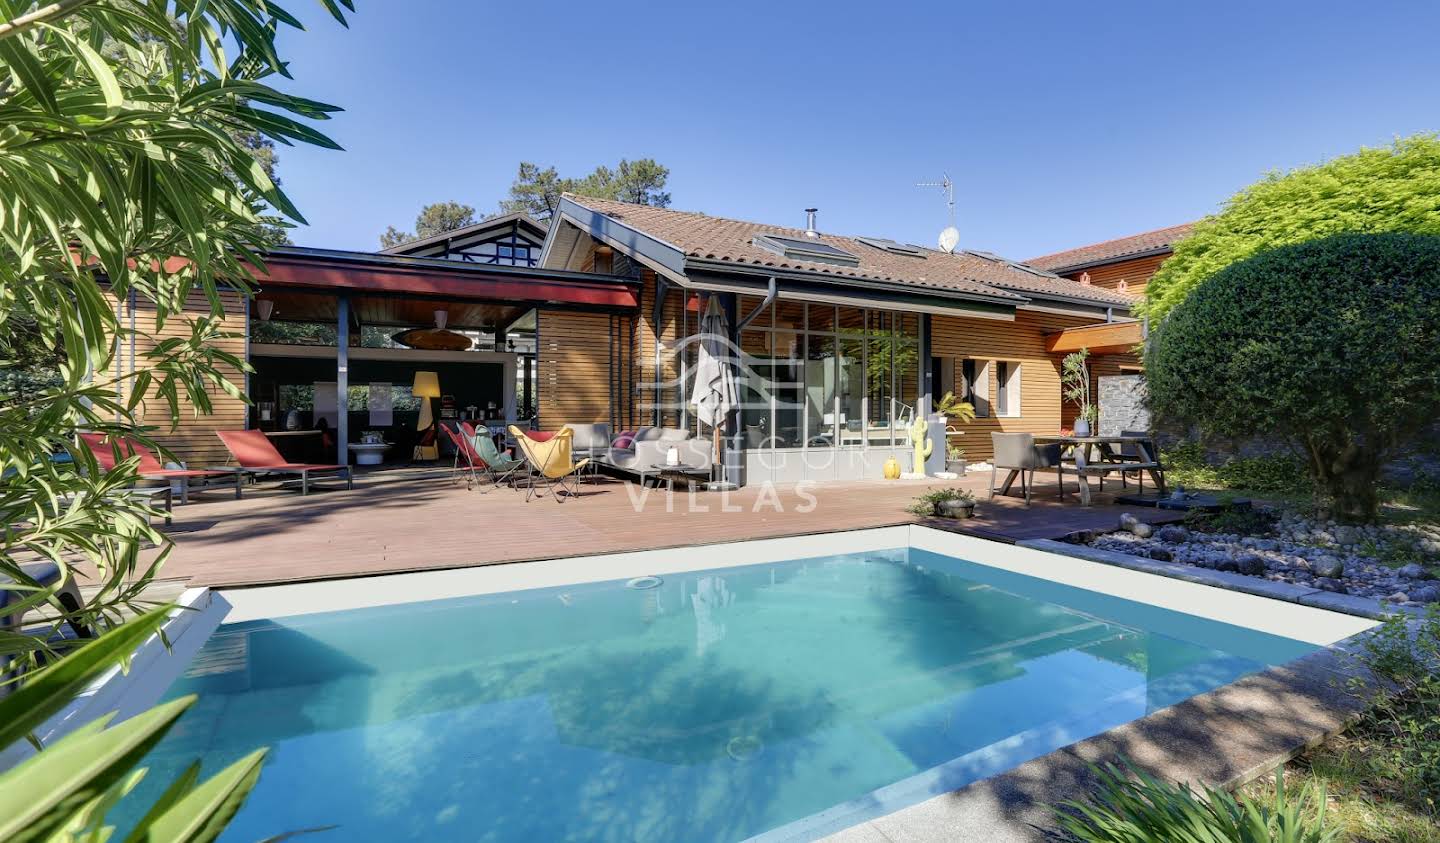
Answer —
950 236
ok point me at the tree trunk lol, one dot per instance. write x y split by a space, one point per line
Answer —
1349 476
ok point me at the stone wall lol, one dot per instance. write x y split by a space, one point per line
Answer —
1122 404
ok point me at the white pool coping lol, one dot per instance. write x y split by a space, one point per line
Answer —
131 689
1289 620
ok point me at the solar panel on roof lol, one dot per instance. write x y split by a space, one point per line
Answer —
804 249
893 246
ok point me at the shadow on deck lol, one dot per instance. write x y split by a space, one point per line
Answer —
401 520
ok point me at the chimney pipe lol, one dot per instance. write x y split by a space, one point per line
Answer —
810 222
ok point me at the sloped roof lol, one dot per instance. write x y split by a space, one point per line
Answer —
534 227
723 240
1110 251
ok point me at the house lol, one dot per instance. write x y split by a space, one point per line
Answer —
1125 264
509 239
843 340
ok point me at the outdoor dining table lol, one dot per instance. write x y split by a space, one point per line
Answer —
1084 449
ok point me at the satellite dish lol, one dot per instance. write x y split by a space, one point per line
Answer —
949 239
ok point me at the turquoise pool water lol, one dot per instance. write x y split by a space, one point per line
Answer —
717 706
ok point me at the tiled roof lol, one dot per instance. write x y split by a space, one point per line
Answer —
716 238
1114 250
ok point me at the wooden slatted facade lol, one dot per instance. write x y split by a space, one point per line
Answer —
1042 410
192 438
583 365
649 335
1129 276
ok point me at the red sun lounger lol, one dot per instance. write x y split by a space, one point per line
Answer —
256 454
105 450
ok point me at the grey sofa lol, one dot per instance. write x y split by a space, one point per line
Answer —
650 446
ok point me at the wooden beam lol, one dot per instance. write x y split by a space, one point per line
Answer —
1106 338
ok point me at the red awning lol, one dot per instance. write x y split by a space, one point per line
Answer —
363 272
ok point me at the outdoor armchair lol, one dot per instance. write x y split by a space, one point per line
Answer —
495 465
467 463
1018 452
550 461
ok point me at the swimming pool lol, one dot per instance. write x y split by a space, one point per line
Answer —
791 697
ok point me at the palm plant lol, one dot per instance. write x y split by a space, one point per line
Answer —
123 177
953 409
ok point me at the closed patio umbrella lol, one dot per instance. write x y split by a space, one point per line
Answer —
715 393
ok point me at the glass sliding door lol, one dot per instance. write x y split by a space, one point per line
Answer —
851 390
820 378
788 385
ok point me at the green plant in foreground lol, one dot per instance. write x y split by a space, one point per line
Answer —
1132 806
1402 718
64 791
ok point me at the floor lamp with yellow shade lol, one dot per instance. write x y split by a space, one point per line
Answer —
426 387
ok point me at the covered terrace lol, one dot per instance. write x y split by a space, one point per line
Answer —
325 317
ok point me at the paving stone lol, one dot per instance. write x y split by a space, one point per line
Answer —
863 833
1347 603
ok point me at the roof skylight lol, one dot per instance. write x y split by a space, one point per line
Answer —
800 249
893 246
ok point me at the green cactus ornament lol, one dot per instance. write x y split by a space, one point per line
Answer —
923 446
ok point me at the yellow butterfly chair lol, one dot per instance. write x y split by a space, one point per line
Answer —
551 461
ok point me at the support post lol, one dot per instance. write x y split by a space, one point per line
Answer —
734 466
342 381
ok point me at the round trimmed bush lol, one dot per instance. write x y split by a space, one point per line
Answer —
1332 345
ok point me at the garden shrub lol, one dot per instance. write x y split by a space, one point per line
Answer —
1387 189
1401 725
1331 346
1186 465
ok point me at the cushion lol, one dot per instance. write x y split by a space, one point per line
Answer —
648 434
540 435
625 441
673 434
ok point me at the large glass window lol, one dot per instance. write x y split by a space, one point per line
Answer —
821 376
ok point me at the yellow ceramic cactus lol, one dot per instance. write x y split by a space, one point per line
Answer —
923 446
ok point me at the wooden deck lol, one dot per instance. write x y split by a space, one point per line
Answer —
408 520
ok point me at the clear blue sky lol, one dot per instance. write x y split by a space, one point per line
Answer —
1062 123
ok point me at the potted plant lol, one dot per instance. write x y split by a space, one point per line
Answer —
1075 386
955 459
956 503
948 502
951 409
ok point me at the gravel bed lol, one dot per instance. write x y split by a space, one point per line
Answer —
1319 554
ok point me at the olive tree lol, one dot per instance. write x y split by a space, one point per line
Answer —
1332 346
